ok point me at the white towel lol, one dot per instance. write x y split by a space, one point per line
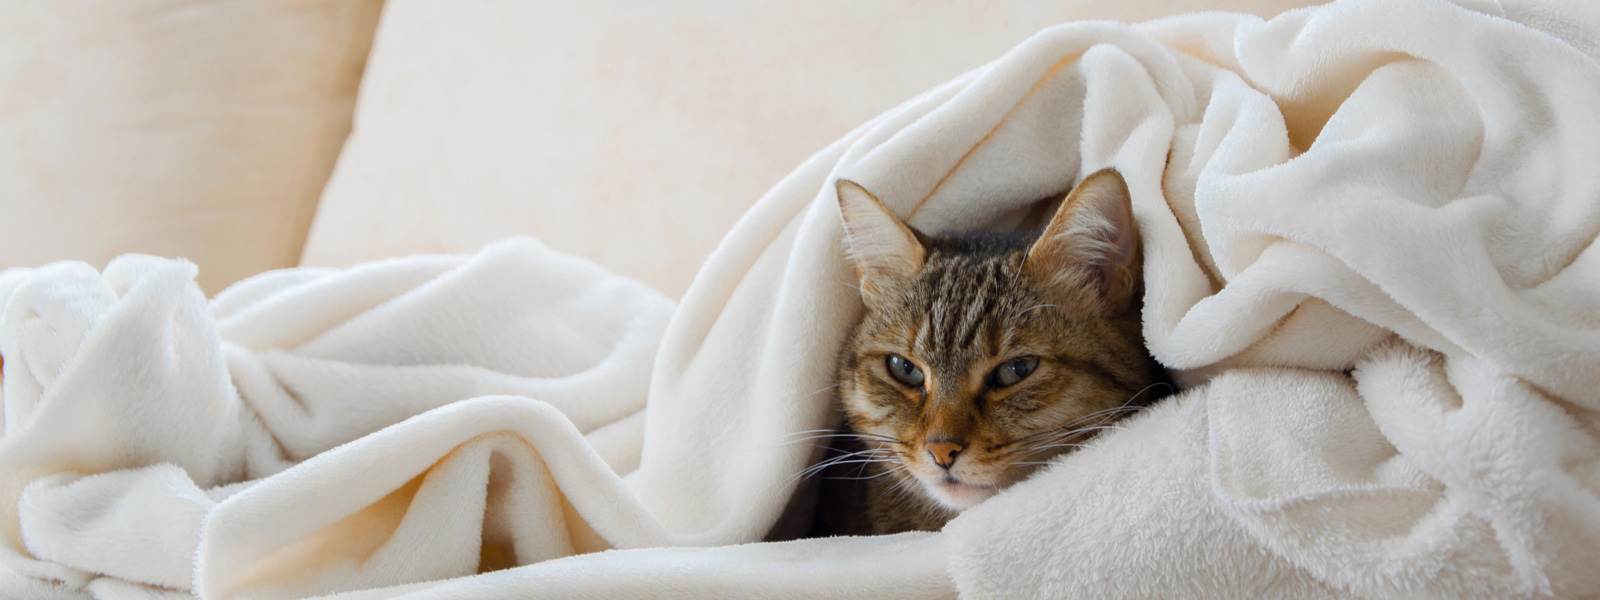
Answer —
1370 247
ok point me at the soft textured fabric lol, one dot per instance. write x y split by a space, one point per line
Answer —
1370 238
123 472
631 132
204 129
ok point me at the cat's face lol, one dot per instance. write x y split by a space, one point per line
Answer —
979 357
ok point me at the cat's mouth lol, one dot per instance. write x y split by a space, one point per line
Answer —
960 495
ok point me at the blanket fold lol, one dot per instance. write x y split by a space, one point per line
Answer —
220 409
1370 239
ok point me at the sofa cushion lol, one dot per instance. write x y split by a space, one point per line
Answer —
635 133
203 129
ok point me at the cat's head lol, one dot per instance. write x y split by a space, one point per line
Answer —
980 355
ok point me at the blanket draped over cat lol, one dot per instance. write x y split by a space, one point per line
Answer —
1369 241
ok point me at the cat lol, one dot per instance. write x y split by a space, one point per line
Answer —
979 356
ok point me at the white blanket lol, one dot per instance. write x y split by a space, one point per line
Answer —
1370 234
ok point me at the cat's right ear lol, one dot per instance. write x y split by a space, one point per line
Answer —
884 250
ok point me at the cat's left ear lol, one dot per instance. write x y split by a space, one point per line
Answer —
885 251
1093 241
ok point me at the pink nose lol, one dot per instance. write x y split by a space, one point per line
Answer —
944 452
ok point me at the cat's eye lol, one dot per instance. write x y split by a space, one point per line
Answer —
903 371
1013 371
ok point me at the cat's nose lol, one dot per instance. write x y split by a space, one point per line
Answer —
944 452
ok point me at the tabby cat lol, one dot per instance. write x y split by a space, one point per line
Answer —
980 356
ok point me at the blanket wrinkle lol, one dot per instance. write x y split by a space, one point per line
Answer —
1370 237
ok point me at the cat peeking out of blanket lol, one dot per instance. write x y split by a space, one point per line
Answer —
980 356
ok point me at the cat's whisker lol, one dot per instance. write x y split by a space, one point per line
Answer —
1103 416
1068 432
808 436
1056 434
1170 388
877 437
842 433
1051 460
1034 444
805 431
864 461
1126 406
1108 413
1113 412
875 453
821 390
1049 450
1083 431
803 475
1062 445
868 452
862 455
1087 428
887 472
1136 395
898 459
1058 446
822 434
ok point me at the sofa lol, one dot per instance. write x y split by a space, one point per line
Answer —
263 134
515 300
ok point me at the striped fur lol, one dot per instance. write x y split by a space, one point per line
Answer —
970 304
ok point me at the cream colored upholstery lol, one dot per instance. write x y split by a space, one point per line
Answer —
636 132
630 132
197 128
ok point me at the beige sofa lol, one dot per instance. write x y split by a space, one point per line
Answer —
631 132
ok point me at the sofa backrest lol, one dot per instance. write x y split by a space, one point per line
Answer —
635 132
197 128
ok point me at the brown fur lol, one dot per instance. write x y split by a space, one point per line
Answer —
959 308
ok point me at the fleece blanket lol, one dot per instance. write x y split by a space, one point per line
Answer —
1370 239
